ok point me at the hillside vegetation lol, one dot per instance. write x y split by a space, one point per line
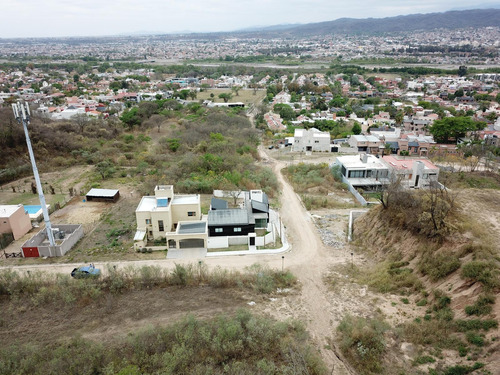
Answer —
195 148
433 248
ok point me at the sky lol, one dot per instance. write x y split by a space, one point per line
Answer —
57 18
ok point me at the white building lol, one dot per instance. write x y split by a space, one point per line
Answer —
413 172
311 140
363 170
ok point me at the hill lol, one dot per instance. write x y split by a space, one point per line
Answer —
447 20
449 278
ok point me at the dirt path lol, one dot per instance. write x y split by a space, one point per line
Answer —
308 259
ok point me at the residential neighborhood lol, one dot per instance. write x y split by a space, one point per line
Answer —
260 201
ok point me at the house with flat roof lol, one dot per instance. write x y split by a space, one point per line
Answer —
311 140
363 171
188 235
413 172
160 214
14 219
365 143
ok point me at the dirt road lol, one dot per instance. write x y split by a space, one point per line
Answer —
308 259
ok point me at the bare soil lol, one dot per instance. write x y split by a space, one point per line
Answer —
115 315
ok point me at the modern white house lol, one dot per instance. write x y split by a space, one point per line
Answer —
311 140
364 171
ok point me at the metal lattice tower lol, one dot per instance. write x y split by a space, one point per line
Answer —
22 115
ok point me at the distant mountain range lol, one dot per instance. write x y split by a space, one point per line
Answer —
448 20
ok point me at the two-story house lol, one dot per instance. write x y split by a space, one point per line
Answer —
159 214
311 140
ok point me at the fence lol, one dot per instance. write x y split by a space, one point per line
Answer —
354 192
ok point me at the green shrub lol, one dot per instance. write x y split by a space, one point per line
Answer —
422 360
362 342
482 306
462 351
437 266
445 314
180 275
438 333
475 325
442 300
484 272
458 370
474 338
241 344
387 278
422 302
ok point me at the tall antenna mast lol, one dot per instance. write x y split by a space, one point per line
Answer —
22 115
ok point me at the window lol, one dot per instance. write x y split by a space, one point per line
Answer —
356 174
218 230
237 229
148 221
316 141
191 213
160 226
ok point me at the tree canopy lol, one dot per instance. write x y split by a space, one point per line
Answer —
452 128
285 111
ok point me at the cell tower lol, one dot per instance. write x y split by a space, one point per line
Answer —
22 115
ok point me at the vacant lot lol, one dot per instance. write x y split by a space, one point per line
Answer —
245 96
115 315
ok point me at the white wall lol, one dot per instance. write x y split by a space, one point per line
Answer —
238 240
217 242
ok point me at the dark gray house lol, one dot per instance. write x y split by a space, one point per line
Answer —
230 222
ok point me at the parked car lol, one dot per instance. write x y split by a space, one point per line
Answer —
85 271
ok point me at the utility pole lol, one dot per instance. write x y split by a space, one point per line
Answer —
22 115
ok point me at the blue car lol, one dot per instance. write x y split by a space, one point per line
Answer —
85 272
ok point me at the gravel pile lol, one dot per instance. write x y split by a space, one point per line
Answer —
330 239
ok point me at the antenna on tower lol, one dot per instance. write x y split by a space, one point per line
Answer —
22 114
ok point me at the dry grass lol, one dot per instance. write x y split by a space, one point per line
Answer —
244 96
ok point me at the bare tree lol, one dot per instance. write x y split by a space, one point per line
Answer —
389 193
156 120
81 120
438 204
